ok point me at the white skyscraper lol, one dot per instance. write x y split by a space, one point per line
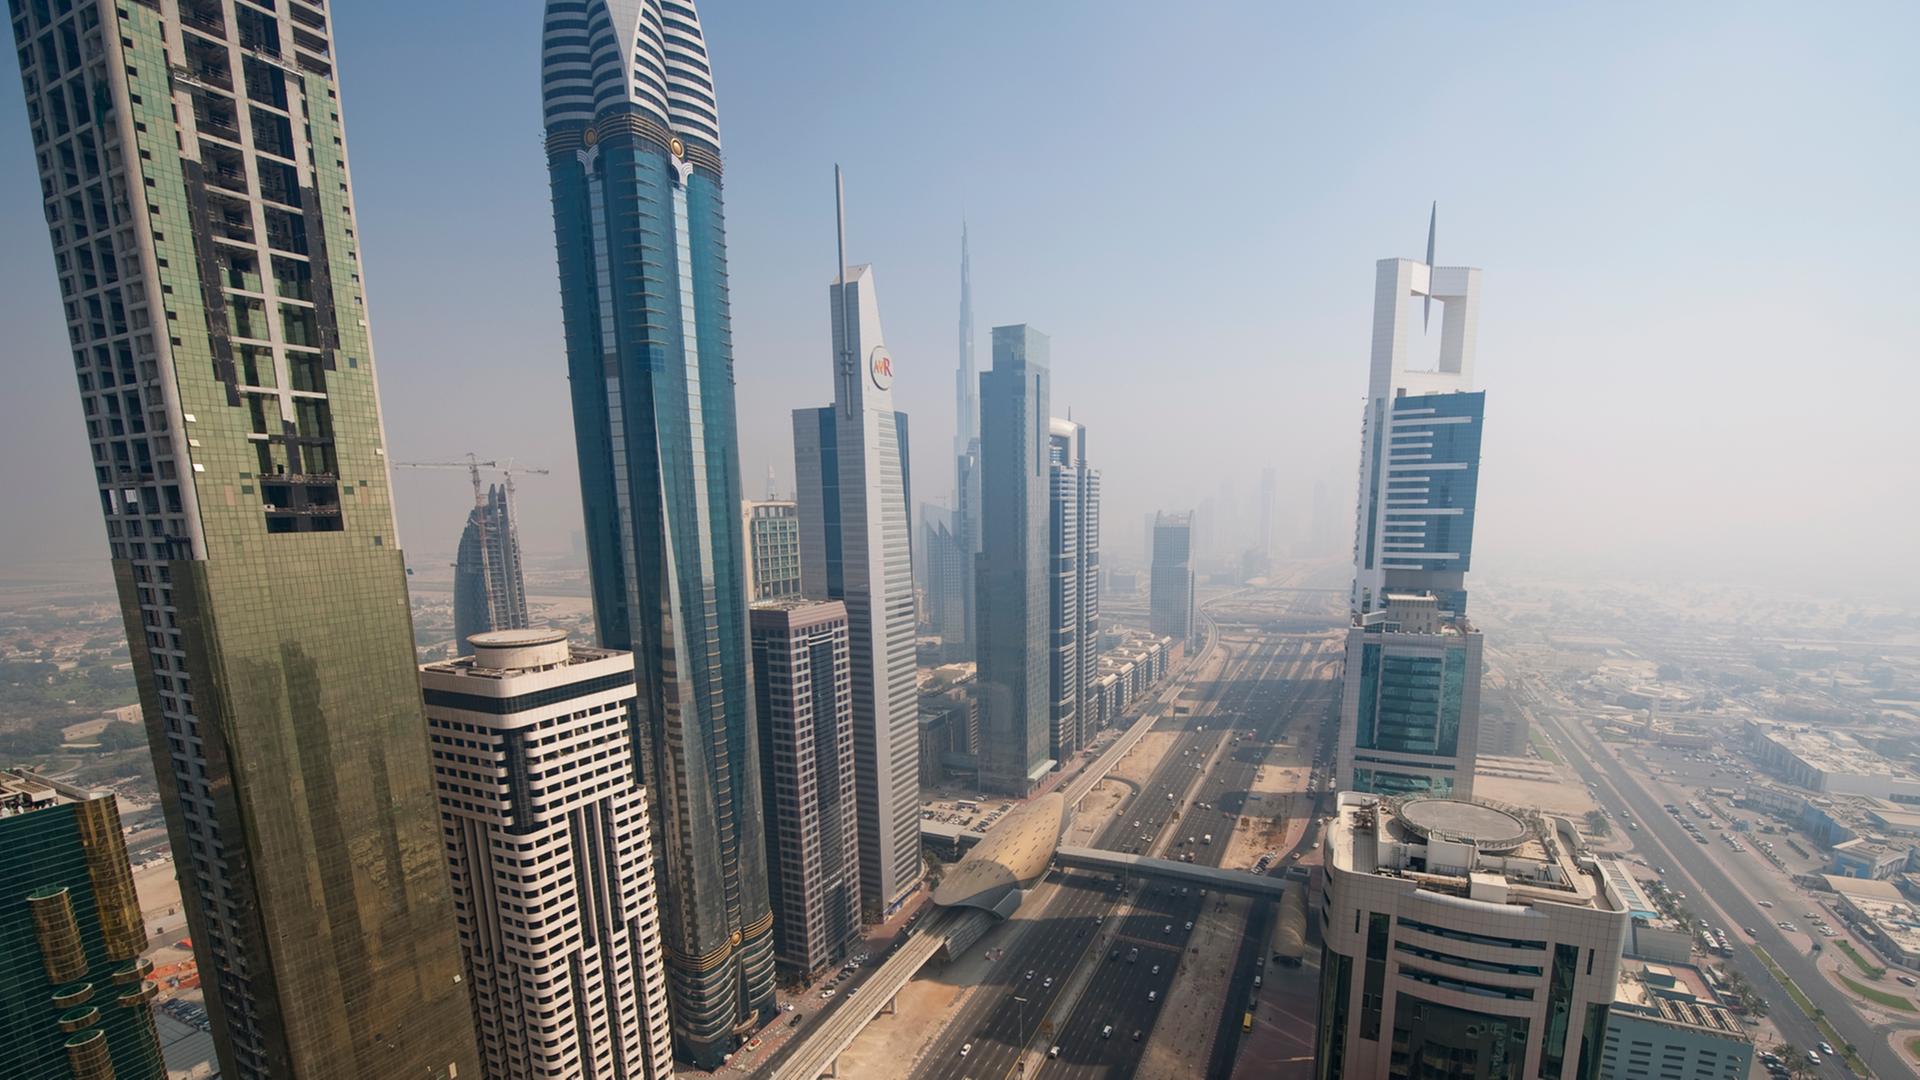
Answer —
1420 441
548 840
850 466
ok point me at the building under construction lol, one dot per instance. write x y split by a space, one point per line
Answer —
489 591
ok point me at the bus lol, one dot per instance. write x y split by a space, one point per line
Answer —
1246 1022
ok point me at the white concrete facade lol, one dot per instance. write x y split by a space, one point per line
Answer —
870 569
548 842
1448 950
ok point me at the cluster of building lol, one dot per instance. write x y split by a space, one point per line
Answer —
542 857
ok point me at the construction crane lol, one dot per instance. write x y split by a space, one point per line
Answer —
473 466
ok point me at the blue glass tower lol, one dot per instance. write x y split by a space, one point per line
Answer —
633 154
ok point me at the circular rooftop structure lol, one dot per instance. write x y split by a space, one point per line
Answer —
1486 828
520 650
517 639
1011 858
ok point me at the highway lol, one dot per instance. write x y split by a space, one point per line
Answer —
1700 875
1261 691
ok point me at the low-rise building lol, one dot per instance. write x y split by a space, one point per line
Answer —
1829 762
1660 1027
1883 915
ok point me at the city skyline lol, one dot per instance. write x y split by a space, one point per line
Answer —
1568 221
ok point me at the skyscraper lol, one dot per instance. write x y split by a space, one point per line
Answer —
633 155
803 691
1170 585
1410 707
1011 575
197 192
773 548
489 591
851 470
533 751
952 550
1269 480
1074 586
1420 442
73 987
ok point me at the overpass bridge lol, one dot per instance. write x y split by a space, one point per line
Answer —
1240 882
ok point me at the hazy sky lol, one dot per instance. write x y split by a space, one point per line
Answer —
1698 226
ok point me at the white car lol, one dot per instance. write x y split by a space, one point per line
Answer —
1156 969
1189 925
965 1049
1047 984
1153 995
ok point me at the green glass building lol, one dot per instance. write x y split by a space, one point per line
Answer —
194 172
73 986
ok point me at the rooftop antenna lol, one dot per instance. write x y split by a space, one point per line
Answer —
846 321
1426 312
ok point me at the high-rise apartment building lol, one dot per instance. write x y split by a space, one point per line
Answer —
194 168
1170 577
803 693
633 156
547 834
489 590
773 548
1074 586
1410 710
1420 441
851 469
73 985
1011 576
1463 942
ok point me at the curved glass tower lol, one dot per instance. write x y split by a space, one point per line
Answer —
633 153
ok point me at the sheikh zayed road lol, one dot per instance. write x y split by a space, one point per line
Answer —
1119 948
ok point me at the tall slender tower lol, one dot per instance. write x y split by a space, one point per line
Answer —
196 187
1011 580
966 388
633 154
850 470
1074 583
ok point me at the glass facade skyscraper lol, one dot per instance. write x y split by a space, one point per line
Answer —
1011 580
1170 577
489 590
633 156
194 167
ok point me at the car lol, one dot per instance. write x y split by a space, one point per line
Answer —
1054 1053
1907 980
965 1049
1751 932
1156 969
1813 1056
827 993
1167 929
1029 974
1153 995
1107 1032
1815 916
1189 924
1048 983
1763 903
1136 1034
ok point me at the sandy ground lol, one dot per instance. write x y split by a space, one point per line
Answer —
1182 1041
1554 790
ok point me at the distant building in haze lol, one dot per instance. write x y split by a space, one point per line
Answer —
534 759
193 168
73 987
1011 576
852 470
952 549
1074 582
633 160
803 688
489 590
1170 578
773 548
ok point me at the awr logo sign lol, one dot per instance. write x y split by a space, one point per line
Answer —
880 366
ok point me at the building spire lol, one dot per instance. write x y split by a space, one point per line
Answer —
966 389
847 366
1426 310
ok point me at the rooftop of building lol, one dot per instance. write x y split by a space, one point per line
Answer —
1673 994
1467 849
1413 613
1833 752
22 791
499 654
794 603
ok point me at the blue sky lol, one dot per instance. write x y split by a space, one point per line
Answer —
1697 223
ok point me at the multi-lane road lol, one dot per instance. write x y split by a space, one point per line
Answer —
1261 691
1699 874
